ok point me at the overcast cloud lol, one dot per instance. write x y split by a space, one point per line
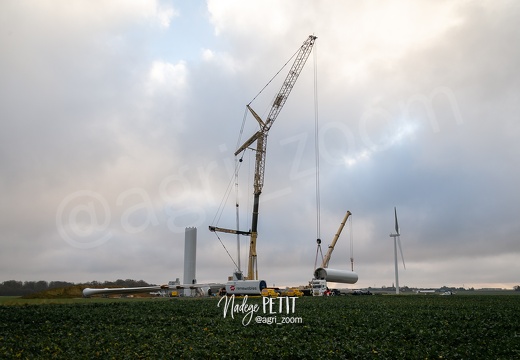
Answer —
119 120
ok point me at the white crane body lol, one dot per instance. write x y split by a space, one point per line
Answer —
324 273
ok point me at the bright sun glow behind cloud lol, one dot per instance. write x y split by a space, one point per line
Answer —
403 133
167 76
386 33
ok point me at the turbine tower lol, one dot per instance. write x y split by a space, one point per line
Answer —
397 241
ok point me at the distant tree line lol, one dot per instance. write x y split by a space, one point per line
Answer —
19 288
517 287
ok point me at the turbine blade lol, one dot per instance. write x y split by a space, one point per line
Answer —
396 224
401 250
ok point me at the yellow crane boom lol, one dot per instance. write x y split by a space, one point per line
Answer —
327 256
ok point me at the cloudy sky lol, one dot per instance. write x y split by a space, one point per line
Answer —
119 120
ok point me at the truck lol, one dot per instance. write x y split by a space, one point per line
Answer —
319 287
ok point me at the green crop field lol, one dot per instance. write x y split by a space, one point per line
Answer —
413 327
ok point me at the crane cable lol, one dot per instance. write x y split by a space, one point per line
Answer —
318 250
317 147
225 248
351 244
220 210
225 197
275 75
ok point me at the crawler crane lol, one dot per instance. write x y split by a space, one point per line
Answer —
260 137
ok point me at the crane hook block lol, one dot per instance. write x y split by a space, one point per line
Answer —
318 241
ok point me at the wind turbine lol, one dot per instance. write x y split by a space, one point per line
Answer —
397 240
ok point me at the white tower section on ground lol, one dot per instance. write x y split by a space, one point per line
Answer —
190 257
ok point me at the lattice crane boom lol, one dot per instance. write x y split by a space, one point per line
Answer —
261 143
260 137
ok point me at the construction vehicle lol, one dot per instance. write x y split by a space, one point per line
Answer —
292 292
318 287
270 292
260 137
323 274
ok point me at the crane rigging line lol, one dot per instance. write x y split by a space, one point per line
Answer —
220 210
275 75
237 209
242 128
249 205
227 193
351 245
318 249
225 197
225 248
317 146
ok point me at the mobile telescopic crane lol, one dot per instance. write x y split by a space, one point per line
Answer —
323 274
261 143
326 258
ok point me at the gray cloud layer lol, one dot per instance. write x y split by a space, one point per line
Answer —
112 135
